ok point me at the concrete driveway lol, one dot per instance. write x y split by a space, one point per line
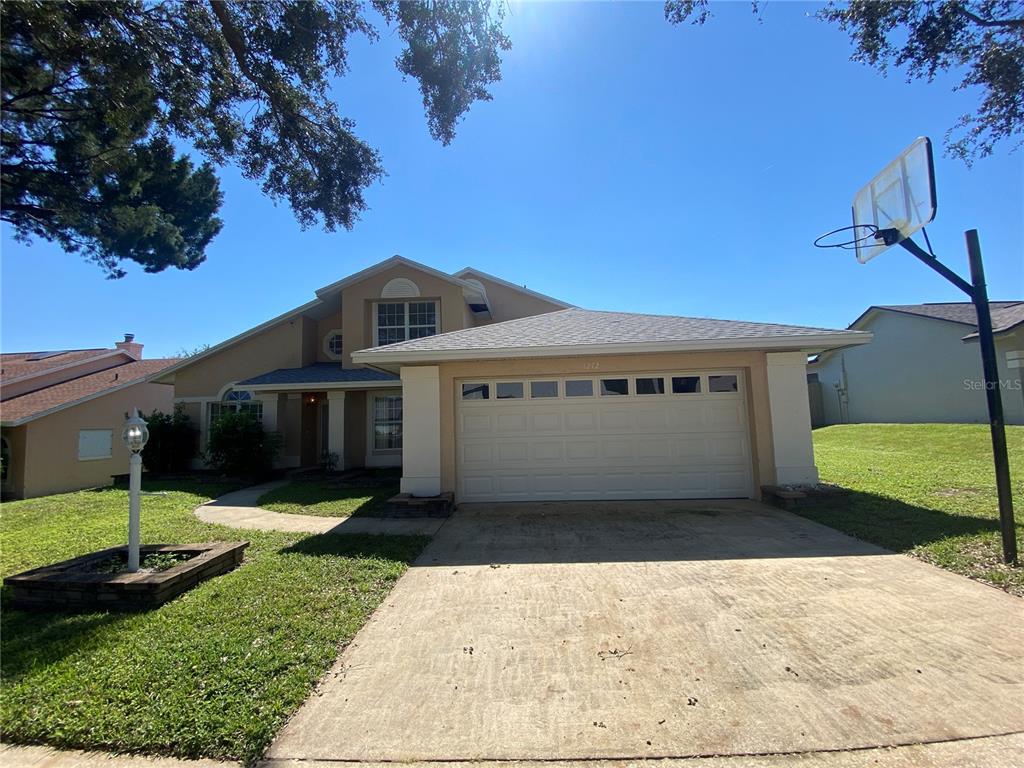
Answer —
663 629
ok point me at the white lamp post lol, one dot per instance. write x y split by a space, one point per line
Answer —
135 435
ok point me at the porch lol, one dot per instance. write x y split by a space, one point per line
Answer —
326 414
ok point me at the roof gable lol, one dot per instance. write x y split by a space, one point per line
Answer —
394 261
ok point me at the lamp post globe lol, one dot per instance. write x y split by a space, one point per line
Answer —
135 434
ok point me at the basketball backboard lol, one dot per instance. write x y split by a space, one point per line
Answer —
900 197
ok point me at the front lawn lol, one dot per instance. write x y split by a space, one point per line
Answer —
321 498
924 489
214 673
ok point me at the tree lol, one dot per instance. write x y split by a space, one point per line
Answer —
982 41
96 97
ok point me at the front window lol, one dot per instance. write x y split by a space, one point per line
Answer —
403 320
387 423
237 401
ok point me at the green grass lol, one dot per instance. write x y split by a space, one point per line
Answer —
924 489
213 673
320 498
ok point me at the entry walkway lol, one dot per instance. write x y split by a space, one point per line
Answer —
238 510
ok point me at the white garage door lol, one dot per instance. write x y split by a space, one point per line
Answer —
623 436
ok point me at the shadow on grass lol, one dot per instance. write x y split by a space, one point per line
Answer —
891 523
403 549
34 639
322 498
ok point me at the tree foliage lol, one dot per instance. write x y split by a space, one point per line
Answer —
96 96
238 446
980 41
173 442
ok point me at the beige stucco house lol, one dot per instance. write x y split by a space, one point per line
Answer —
62 413
923 366
481 388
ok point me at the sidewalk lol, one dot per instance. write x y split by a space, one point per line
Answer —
12 756
238 510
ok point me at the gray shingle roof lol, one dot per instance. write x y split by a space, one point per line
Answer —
962 312
319 373
576 327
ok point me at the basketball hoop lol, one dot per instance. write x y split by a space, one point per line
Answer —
863 234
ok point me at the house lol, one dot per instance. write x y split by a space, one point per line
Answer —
482 388
923 366
61 415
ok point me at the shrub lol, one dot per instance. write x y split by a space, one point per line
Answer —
173 442
240 447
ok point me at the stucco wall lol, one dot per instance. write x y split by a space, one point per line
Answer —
751 363
916 370
324 327
276 347
509 304
357 306
51 456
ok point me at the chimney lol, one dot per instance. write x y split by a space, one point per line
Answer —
129 346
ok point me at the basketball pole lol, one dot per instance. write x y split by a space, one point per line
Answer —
978 292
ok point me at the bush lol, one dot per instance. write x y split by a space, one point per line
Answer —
240 447
173 442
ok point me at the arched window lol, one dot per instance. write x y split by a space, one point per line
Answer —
237 401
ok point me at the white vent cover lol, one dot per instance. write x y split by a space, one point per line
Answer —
400 288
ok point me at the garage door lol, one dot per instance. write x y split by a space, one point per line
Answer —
671 435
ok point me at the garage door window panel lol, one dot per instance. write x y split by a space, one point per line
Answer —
579 388
509 390
685 385
614 387
542 389
653 385
723 383
476 391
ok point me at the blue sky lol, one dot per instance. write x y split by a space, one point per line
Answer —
623 164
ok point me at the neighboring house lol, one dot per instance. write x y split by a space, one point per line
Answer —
62 413
490 391
924 365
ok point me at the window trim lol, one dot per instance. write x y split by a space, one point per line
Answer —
375 317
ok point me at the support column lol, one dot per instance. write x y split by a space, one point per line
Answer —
421 430
336 426
791 418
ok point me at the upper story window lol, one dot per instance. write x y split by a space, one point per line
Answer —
403 320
